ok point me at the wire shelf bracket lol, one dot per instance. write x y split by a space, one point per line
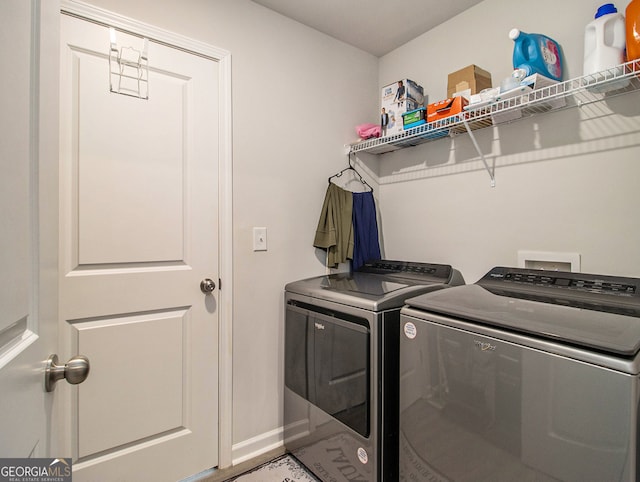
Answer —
490 170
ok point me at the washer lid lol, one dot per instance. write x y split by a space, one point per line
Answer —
379 285
591 317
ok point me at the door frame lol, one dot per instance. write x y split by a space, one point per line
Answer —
225 178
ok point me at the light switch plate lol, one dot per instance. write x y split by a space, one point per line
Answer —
259 239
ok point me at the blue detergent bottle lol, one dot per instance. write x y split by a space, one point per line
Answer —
536 54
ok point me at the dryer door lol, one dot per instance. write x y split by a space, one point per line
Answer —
515 412
341 370
327 362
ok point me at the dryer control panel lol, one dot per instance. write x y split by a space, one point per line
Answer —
615 294
408 269
589 283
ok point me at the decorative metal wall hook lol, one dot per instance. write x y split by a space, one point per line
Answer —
128 68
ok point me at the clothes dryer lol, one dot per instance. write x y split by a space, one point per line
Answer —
341 366
524 375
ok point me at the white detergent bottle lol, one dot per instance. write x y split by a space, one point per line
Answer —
604 40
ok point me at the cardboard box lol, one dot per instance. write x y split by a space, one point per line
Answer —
471 77
394 103
445 108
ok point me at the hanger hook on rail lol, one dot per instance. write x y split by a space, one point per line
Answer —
352 168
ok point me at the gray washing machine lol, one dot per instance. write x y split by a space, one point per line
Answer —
524 375
341 367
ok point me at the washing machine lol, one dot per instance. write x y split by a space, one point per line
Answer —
524 375
341 366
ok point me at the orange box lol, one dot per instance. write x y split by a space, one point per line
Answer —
445 108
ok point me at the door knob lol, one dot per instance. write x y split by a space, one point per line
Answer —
207 286
74 371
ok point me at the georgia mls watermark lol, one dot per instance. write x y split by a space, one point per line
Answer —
35 470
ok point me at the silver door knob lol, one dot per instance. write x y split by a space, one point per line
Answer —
74 371
207 286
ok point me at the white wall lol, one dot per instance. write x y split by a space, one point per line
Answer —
566 181
297 95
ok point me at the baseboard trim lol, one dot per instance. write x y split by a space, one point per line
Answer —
256 446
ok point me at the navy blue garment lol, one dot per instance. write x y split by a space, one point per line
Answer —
366 246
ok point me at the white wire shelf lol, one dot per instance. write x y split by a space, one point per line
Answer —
571 93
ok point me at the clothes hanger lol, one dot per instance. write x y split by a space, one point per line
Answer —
351 168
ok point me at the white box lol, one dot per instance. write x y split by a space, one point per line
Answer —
510 103
536 82
395 103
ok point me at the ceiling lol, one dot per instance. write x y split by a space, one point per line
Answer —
375 26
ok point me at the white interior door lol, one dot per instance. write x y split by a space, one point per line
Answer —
28 231
138 234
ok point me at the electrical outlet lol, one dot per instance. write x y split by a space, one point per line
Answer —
259 239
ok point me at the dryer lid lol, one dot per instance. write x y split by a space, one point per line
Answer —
592 311
378 285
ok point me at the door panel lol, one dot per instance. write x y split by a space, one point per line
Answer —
117 360
138 233
147 169
15 192
28 241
